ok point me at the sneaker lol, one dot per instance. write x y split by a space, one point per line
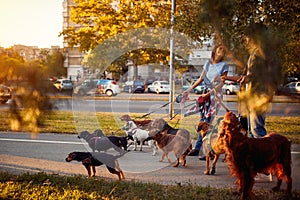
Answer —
263 177
202 158
194 152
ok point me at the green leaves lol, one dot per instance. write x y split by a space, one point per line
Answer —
198 19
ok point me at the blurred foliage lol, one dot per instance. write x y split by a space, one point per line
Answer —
54 63
227 20
199 19
29 81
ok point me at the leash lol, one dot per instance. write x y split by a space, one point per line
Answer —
164 105
180 110
220 100
149 113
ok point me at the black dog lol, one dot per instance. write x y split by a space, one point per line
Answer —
104 143
90 160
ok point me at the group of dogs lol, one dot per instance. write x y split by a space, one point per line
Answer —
245 156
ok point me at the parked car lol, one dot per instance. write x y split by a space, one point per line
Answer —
197 90
63 84
230 87
108 87
292 79
134 86
159 87
87 87
290 88
5 94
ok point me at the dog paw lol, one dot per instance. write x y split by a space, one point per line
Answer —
206 172
236 193
275 189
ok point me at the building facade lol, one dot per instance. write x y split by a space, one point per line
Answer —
73 56
31 53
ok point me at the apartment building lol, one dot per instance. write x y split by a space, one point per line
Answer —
73 56
31 53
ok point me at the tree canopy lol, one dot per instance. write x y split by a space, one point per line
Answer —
227 20
198 19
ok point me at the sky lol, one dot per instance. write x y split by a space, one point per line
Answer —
31 23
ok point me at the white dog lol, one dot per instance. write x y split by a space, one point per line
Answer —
139 135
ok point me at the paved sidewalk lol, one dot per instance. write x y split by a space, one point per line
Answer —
142 166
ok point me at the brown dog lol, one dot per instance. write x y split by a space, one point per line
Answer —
180 143
212 147
143 124
248 156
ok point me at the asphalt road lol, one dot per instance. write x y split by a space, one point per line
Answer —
19 152
149 102
145 103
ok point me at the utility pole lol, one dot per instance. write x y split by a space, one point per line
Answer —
172 55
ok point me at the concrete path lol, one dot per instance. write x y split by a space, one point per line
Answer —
143 167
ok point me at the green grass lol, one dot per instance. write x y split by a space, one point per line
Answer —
45 186
72 122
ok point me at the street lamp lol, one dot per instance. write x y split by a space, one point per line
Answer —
171 75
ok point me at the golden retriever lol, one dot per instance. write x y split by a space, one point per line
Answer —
246 156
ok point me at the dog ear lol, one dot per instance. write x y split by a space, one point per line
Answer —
162 123
99 133
84 133
227 117
199 126
204 126
125 118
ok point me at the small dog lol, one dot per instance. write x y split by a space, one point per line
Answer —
139 135
246 157
143 124
91 160
212 147
105 142
180 143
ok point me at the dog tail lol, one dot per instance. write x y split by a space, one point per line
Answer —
148 138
